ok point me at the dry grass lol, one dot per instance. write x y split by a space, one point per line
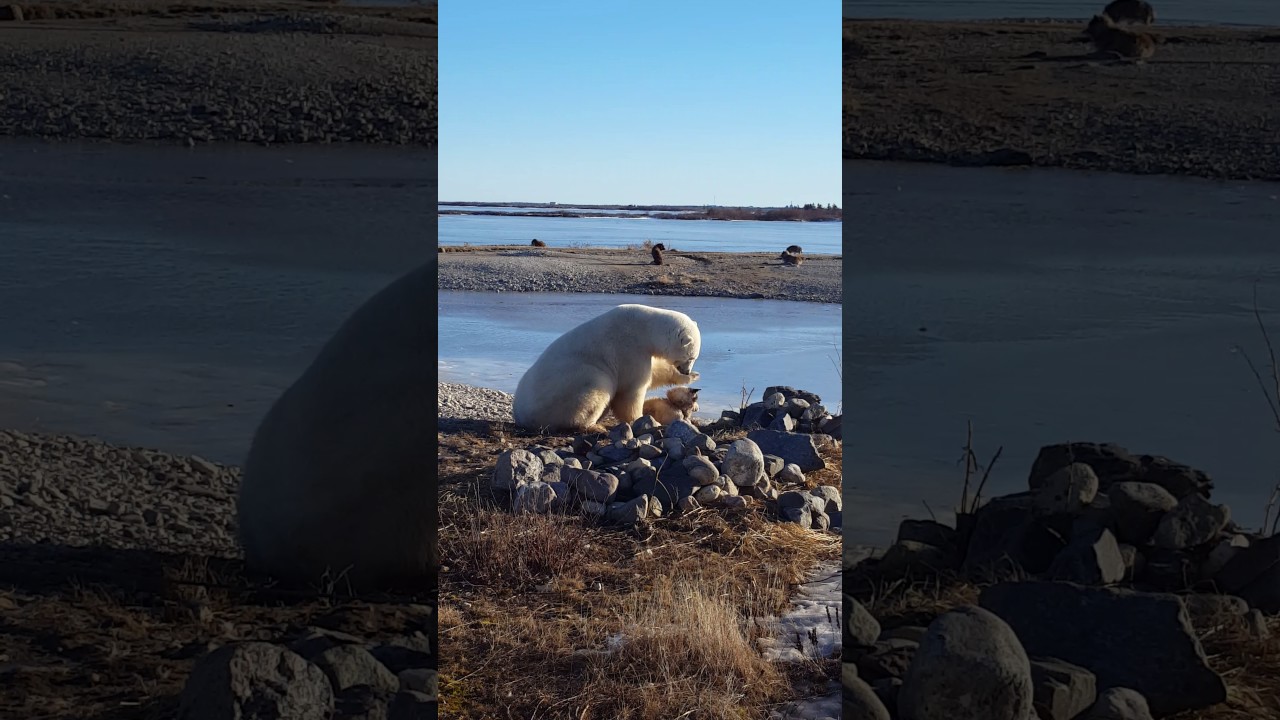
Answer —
533 607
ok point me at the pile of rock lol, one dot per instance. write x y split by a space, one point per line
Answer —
1099 515
316 673
643 470
1056 651
783 409
1100 565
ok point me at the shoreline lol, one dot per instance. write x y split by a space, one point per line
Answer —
750 275
1030 93
268 73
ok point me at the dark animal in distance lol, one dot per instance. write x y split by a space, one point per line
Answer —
657 255
795 249
538 243
1137 11
789 258
1107 37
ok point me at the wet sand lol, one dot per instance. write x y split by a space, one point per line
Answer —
1031 93
594 270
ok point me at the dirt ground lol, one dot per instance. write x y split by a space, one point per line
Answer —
715 274
1032 93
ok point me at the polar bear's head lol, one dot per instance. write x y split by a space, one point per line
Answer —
690 346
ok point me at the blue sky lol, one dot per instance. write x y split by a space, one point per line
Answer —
640 102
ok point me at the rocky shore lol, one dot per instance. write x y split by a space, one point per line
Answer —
595 270
124 596
1022 93
1112 589
228 71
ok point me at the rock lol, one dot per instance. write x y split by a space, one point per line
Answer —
1007 538
362 702
349 665
560 496
673 447
1062 690
702 470
928 532
834 503
1111 463
1068 491
629 513
687 504
644 424
703 444
887 659
914 633
255 680
1193 522
773 465
1128 634
755 415
789 392
591 485
744 463
1090 561
1119 703
405 653
11 13
736 503
535 497
782 422
774 401
1256 623
1222 553
621 432
515 468
315 640
859 701
969 666
802 515
683 430
792 474
908 557
1179 479
1132 560
793 499
411 705
791 447
708 494
1137 508
1248 565
593 509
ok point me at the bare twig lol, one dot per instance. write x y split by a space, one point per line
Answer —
977 498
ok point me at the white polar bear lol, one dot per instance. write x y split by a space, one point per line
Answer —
340 476
608 362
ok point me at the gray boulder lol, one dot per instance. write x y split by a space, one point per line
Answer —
1062 690
1194 522
1068 491
349 665
1137 508
795 448
1120 635
257 681
861 629
744 463
1119 703
1088 560
515 468
970 666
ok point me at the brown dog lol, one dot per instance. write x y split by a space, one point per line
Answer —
679 404
538 243
657 255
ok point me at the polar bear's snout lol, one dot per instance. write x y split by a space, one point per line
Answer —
686 367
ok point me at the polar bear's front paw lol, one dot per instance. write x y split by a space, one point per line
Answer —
691 377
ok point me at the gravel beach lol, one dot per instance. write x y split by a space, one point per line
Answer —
1029 93
220 72
730 275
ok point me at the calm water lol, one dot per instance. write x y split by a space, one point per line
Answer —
491 339
567 208
1049 306
1183 12
157 296
705 235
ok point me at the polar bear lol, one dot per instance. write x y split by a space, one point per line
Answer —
340 476
608 362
